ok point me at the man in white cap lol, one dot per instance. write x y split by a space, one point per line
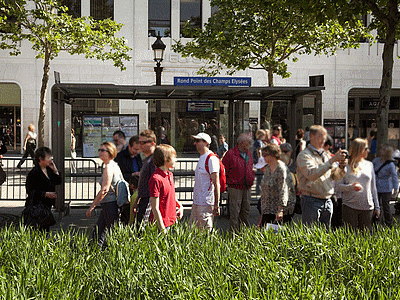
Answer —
206 191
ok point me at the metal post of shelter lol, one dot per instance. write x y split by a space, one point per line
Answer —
57 141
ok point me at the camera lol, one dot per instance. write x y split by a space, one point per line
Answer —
346 154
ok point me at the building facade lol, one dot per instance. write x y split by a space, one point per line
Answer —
351 79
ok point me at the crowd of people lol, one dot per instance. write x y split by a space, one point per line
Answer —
326 188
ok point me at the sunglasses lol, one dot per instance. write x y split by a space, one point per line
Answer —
196 140
144 142
103 150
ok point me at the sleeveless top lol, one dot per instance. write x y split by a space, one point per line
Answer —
117 176
32 137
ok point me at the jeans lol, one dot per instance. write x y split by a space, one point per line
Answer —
315 210
108 216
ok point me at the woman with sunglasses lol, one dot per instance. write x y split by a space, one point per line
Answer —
358 187
41 182
106 196
277 188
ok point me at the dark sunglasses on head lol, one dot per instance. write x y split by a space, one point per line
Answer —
103 150
144 142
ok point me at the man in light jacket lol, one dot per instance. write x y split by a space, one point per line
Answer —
316 171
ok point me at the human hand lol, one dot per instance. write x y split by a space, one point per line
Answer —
89 212
340 155
377 213
24 148
52 166
357 187
279 215
51 195
180 212
216 210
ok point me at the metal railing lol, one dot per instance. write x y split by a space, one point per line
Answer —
82 177
81 180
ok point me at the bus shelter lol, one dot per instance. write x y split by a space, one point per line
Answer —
63 94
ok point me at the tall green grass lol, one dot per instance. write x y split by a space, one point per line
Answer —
296 263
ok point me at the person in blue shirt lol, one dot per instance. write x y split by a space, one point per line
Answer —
129 159
223 146
372 145
387 181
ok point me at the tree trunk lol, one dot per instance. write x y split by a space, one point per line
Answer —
382 112
270 104
43 92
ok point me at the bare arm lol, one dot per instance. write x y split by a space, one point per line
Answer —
215 182
25 141
155 207
105 186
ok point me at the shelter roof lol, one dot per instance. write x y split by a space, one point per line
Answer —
111 91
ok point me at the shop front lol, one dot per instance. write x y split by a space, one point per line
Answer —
362 105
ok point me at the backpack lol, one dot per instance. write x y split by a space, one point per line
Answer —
222 176
122 192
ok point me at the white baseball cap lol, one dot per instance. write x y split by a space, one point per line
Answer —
202 136
260 163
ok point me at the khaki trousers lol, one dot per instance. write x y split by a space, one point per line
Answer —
239 208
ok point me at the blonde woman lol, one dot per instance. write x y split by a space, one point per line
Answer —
106 196
29 145
358 187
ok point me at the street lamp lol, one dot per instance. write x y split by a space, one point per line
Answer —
158 48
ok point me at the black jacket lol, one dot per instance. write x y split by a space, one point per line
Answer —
37 184
124 162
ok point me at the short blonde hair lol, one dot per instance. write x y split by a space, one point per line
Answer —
163 153
111 149
31 127
260 133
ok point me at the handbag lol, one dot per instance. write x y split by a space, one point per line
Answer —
38 215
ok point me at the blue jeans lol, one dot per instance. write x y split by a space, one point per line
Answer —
315 210
108 217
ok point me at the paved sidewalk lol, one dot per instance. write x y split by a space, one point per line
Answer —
77 220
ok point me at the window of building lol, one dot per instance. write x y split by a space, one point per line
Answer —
190 11
160 17
74 7
102 9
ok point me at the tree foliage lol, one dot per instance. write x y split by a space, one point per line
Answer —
264 34
50 29
386 21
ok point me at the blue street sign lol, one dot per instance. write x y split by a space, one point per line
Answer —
213 81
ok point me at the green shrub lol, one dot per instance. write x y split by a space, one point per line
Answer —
296 263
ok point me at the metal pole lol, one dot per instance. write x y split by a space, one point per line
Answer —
158 69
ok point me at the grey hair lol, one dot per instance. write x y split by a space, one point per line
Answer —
244 137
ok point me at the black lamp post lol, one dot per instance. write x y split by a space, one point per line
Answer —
158 48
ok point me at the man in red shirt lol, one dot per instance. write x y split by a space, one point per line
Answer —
164 205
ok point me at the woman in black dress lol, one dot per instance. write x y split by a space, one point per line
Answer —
42 180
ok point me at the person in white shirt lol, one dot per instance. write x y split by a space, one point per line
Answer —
206 191
29 145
